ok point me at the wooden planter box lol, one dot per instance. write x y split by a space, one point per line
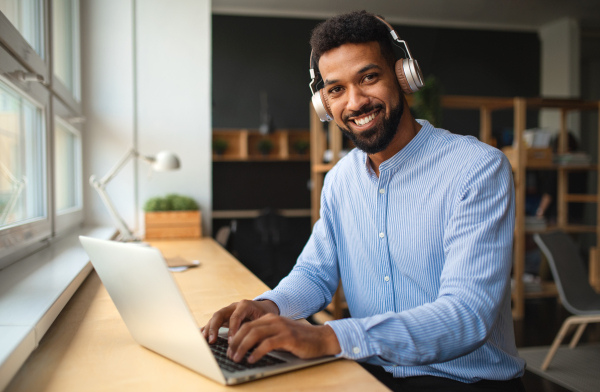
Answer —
173 224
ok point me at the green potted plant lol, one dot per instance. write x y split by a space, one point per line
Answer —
301 146
265 146
427 104
219 146
172 216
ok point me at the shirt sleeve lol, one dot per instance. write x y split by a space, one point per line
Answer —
474 284
312 282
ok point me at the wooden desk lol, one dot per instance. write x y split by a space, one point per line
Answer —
88 348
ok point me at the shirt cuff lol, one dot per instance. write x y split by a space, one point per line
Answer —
279 300
352 338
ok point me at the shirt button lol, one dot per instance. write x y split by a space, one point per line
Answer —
382 191
381 235
387 278
356 350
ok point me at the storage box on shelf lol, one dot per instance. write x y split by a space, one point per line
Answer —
534 158
243 145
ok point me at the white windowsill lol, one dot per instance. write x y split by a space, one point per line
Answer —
34 291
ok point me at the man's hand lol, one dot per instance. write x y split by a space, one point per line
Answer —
271 332
234 315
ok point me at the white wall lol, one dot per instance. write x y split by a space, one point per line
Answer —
173 50
174 99
560 69
107 95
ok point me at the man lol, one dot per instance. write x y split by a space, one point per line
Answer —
418 225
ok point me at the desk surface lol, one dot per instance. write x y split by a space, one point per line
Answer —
88 348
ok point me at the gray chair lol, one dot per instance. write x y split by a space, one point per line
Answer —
572 284
222 236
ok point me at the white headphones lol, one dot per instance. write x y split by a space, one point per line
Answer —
407 71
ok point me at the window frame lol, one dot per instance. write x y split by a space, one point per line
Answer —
54 99
18 46
17 238
59 88
72 217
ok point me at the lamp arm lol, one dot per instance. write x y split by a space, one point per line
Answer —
118 166
126 233
99 185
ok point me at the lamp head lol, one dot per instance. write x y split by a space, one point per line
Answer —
165 161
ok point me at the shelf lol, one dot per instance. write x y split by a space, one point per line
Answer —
565 104
576 167
566 229
249 214
322 167
292 158
558 167
574 198
242 145
547 290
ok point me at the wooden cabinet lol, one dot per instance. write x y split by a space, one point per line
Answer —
332 139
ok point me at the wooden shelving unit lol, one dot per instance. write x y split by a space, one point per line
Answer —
243 145
521 105
320 141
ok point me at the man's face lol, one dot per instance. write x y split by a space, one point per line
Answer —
364 95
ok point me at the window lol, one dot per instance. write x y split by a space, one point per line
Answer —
65 43
40 124
22 159
26 16
67 166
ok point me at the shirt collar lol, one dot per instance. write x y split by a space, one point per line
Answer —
402 155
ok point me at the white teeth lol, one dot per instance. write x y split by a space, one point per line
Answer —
365 120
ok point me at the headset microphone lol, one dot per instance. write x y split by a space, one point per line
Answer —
407 71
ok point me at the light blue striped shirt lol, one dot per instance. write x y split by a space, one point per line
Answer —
424 255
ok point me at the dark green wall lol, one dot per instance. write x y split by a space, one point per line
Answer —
251 54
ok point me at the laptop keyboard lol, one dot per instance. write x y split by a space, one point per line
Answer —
219 350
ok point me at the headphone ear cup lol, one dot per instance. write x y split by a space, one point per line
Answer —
321 105
325 100
404 85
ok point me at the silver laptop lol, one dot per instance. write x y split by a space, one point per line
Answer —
148 299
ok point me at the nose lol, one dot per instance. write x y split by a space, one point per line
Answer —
356 99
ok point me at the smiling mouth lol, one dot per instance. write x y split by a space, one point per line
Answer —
365 120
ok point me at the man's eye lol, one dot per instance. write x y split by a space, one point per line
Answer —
334 90
370 77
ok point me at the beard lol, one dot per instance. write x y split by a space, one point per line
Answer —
379 137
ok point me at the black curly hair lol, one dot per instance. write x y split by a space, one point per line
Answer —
355 27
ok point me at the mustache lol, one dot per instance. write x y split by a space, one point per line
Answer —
363 110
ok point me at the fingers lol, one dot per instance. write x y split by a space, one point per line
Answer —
272 332
233 316
250 334
211 330
265 347
245 310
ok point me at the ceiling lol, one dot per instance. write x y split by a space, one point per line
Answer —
520 15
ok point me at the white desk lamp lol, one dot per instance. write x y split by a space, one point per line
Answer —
164 161
14 197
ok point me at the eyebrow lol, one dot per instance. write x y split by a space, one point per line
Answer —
364 69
